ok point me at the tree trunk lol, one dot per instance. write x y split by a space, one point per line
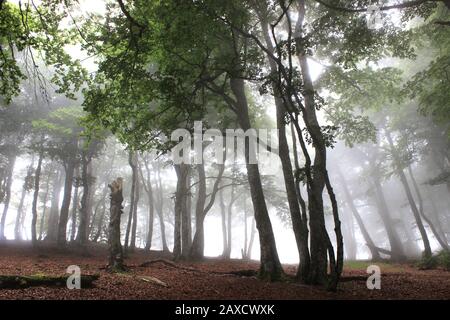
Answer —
74 207
367 238
300 229
147 183
198 244
52 224
197 247
64 214
86 201
37 180
17 225
180 201
9 181
229 222
436 234
244 249
186 234
44 202
409 196
252 237
132 163
160 212
135 208
224 224
98 232
115 262
270 267
397 253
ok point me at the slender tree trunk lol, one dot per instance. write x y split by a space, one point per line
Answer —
229 222
135 209
409 196
180 201
132 163
85 210
160 208
147 183
397 253
52 224
252 237
9 181
64 214
244 250
202 209
74 207
367 238
44 202
186 234
98 232
270 267
224 224
198 243
437 221
37 180
436 234
300 229
17 225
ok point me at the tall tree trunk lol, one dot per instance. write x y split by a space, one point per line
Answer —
135 209
98 231
132 163
52 224
244 249
397 253
436 234
9 181
64 214
17 225
197 247
224 223
202 209
101 218
437 220
300 229
86 179
180 201
74 206
186 234
115 247
229 222
270 267
367 238
147 183
37 180
350 244
44 202
160 207
409 196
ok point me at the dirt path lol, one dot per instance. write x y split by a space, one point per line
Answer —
398 281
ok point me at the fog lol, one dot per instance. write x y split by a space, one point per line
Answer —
99 107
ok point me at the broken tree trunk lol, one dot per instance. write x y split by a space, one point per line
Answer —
115 247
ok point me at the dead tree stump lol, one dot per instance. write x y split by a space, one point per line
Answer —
116 209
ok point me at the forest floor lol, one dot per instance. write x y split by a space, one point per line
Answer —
203 280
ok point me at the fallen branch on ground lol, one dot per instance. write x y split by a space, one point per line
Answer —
240 273
16 281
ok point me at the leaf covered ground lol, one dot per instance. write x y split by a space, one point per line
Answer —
202 280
